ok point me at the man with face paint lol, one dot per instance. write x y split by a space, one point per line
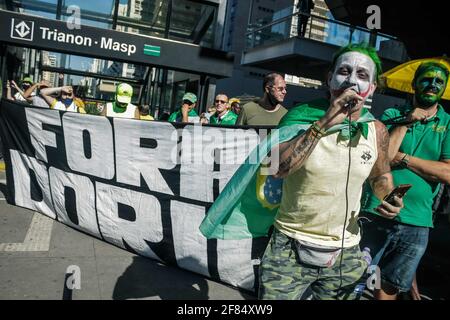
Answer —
419 153
315 242
268 110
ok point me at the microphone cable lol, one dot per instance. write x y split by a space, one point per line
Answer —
346 197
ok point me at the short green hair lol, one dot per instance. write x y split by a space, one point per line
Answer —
363 48
430 65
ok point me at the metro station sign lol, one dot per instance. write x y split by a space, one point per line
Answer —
53 35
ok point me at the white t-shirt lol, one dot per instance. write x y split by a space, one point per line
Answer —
39 102
58 105
129 113
18 96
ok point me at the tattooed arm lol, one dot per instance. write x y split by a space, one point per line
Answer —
380 177
295 152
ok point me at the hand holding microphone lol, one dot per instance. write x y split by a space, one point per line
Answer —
340 108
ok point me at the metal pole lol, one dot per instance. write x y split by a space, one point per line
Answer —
168 19
116 13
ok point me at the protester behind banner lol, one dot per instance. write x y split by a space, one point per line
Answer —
65 99
27 82
122 107
34 97
144 113
267 110
187 112
223 114
235 105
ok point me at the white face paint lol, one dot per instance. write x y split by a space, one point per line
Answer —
353 70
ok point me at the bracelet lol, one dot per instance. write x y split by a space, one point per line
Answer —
405 160
317 130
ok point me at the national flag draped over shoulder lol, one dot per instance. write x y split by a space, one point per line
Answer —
247 206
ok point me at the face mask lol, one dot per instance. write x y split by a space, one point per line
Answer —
430 87
67 102
353 70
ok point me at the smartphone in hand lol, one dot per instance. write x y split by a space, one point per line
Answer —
398 191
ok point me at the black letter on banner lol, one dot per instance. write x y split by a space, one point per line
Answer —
132 146
99 162
21 167
37 119
87 144
35 189
80 213
124 233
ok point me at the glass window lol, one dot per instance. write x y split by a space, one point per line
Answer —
93 13
188 21
43 8
144 17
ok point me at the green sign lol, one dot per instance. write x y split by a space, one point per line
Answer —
152 50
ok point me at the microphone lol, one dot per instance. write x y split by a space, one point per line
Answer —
351 104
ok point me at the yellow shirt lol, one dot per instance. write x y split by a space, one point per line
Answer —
313 202
147 117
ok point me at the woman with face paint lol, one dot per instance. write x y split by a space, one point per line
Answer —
315 243
419 153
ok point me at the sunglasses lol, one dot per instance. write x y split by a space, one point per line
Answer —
189 103
280 89
221 101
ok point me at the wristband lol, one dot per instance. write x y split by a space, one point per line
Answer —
317 130
405 160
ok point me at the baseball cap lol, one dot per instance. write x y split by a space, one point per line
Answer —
124 92
27 79
190 97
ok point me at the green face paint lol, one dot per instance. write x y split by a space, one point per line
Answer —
430 86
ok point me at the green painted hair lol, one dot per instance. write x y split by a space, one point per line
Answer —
430 65
363 48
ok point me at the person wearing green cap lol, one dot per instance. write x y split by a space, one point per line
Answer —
315 242
27 82
122 107
187 112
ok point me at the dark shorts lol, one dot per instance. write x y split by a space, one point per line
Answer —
283 277
396 248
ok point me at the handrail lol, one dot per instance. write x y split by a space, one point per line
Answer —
297 13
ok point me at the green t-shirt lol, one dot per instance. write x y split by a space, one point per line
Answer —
177 116
429 141
253 114
229 118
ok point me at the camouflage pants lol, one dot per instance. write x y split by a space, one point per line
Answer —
283 277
